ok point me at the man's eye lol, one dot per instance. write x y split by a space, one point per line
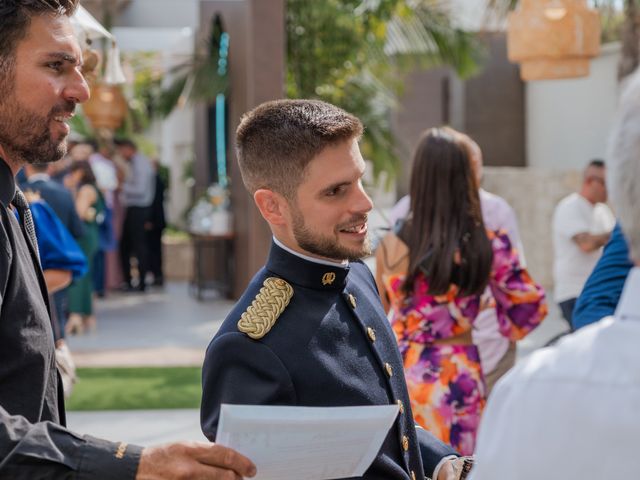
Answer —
57 66
336 191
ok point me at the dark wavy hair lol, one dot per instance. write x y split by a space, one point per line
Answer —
15 19
87 176
444 230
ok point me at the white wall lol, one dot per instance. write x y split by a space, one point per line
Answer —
568 120
175 135
160 13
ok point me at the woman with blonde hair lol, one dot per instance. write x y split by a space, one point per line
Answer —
432 271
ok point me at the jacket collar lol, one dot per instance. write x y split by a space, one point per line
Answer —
306 273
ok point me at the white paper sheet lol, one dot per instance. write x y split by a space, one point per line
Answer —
310 443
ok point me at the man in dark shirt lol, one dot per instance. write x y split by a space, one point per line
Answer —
41 83
55 194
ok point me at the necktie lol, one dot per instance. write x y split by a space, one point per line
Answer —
20 202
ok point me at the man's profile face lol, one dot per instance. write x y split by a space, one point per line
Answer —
329 214
41 91
127 151
596 177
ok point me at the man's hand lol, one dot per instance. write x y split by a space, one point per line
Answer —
588 242
193 461
455 469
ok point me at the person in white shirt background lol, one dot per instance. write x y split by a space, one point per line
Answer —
582 224
571 411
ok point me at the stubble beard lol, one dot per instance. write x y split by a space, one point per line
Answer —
326 246
25 135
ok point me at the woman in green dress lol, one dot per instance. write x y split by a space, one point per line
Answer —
90 207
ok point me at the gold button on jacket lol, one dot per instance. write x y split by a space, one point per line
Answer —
352 301
372 334
405 443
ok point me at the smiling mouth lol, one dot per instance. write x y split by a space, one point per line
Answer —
64 117
360 228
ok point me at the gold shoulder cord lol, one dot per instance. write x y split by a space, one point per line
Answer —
265 309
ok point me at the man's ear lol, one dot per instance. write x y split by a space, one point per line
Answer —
272 206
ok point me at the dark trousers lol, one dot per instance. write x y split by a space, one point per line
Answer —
567 310
133 243
154 239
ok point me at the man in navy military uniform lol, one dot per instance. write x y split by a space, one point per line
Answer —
310 329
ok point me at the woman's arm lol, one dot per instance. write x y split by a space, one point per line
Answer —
520 302
85 198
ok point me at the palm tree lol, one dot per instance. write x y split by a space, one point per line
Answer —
353 53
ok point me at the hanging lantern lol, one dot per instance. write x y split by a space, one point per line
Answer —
553 38
107 107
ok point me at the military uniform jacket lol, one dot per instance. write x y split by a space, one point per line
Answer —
331 346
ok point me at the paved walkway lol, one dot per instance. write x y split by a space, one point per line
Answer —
164 328
157 328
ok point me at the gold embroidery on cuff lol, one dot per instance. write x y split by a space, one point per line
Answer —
122 448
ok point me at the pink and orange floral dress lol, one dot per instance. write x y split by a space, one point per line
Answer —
445 382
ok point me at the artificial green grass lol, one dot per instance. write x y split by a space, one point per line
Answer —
136 388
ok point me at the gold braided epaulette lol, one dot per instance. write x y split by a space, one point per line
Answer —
265 309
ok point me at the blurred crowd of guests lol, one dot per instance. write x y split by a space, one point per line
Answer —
98 213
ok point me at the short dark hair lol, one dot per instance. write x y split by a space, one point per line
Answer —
15 19
125 142
87 177
276 141
597 163
39 167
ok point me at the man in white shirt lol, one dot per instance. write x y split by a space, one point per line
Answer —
571 411
582 223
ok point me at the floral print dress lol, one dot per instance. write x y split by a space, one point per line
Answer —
445 382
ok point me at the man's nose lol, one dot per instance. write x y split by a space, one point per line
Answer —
362 202
77 89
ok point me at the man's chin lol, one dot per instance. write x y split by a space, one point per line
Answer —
50 156
353 254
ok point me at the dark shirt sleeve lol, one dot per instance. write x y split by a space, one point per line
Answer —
46 450
432 450
602 291
238 370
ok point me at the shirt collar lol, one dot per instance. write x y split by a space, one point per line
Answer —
7 183
629 304
329 263
39 177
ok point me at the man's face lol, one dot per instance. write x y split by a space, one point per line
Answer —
40 95
596 179
126 151
329 214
